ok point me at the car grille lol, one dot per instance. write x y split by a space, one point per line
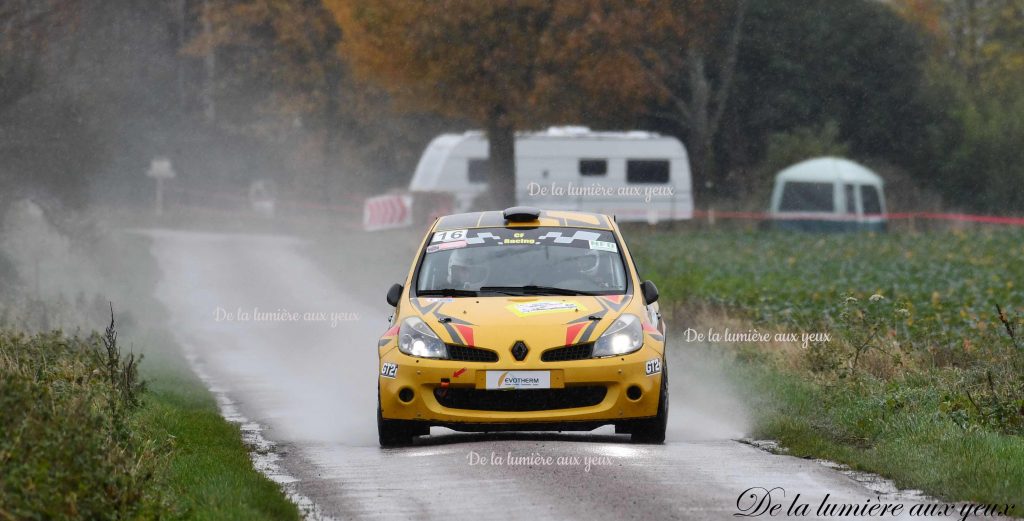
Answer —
471 354
519 400
575 352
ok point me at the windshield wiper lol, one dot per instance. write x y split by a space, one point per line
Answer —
535 290
447 292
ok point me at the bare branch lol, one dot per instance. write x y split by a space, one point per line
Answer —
728 68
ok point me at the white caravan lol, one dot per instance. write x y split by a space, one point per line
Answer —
634 175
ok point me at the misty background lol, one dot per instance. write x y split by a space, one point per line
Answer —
327 102
926 92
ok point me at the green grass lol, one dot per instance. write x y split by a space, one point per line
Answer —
904 440
68 449
75 447
209 472
935 399
950 280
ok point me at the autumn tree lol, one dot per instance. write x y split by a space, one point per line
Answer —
689 57
982 41
506 65
976 75
42 134
280 81
275 80
25 29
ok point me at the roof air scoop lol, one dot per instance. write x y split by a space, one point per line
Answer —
520 214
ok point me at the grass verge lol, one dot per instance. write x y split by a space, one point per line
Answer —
208 472
81 437
891 429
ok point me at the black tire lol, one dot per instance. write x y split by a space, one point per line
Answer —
652 430
394 433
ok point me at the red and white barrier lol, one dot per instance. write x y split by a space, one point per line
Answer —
922 216
385 212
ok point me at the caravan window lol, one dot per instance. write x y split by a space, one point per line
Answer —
807 197
647 171
478 170
870 199
592 167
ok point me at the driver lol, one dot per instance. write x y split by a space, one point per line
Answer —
465 271
578 270
587 264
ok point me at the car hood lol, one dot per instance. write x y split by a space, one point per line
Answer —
539 321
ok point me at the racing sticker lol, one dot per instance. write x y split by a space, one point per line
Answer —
483 237
389 370
653 331
518 379
544 306
450 236
450 245
519 238
653 366
604 246
388 336
615 302
578 235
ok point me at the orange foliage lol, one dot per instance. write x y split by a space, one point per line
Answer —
524 62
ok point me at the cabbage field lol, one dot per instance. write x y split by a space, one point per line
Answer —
949 282
923 378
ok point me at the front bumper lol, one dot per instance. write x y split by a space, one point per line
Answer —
425 377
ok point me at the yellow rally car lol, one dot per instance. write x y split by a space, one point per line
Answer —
523 320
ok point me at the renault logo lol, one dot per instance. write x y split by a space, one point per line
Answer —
519 350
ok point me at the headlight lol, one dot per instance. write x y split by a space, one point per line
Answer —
415 338
625 335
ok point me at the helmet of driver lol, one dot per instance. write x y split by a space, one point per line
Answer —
466 270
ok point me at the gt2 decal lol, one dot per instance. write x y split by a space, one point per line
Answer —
389 370
653 366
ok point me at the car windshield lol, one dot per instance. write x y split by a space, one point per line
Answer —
517 261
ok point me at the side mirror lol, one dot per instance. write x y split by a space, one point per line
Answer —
650 292
395 293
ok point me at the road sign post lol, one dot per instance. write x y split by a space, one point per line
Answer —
160 169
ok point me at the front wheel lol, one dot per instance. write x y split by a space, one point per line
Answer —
395 433
652 430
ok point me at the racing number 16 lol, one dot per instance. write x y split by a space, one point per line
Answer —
450 235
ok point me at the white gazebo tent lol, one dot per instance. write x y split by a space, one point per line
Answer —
828 193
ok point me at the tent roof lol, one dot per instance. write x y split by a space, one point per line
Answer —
829 169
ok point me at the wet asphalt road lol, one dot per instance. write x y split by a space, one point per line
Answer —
309 381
